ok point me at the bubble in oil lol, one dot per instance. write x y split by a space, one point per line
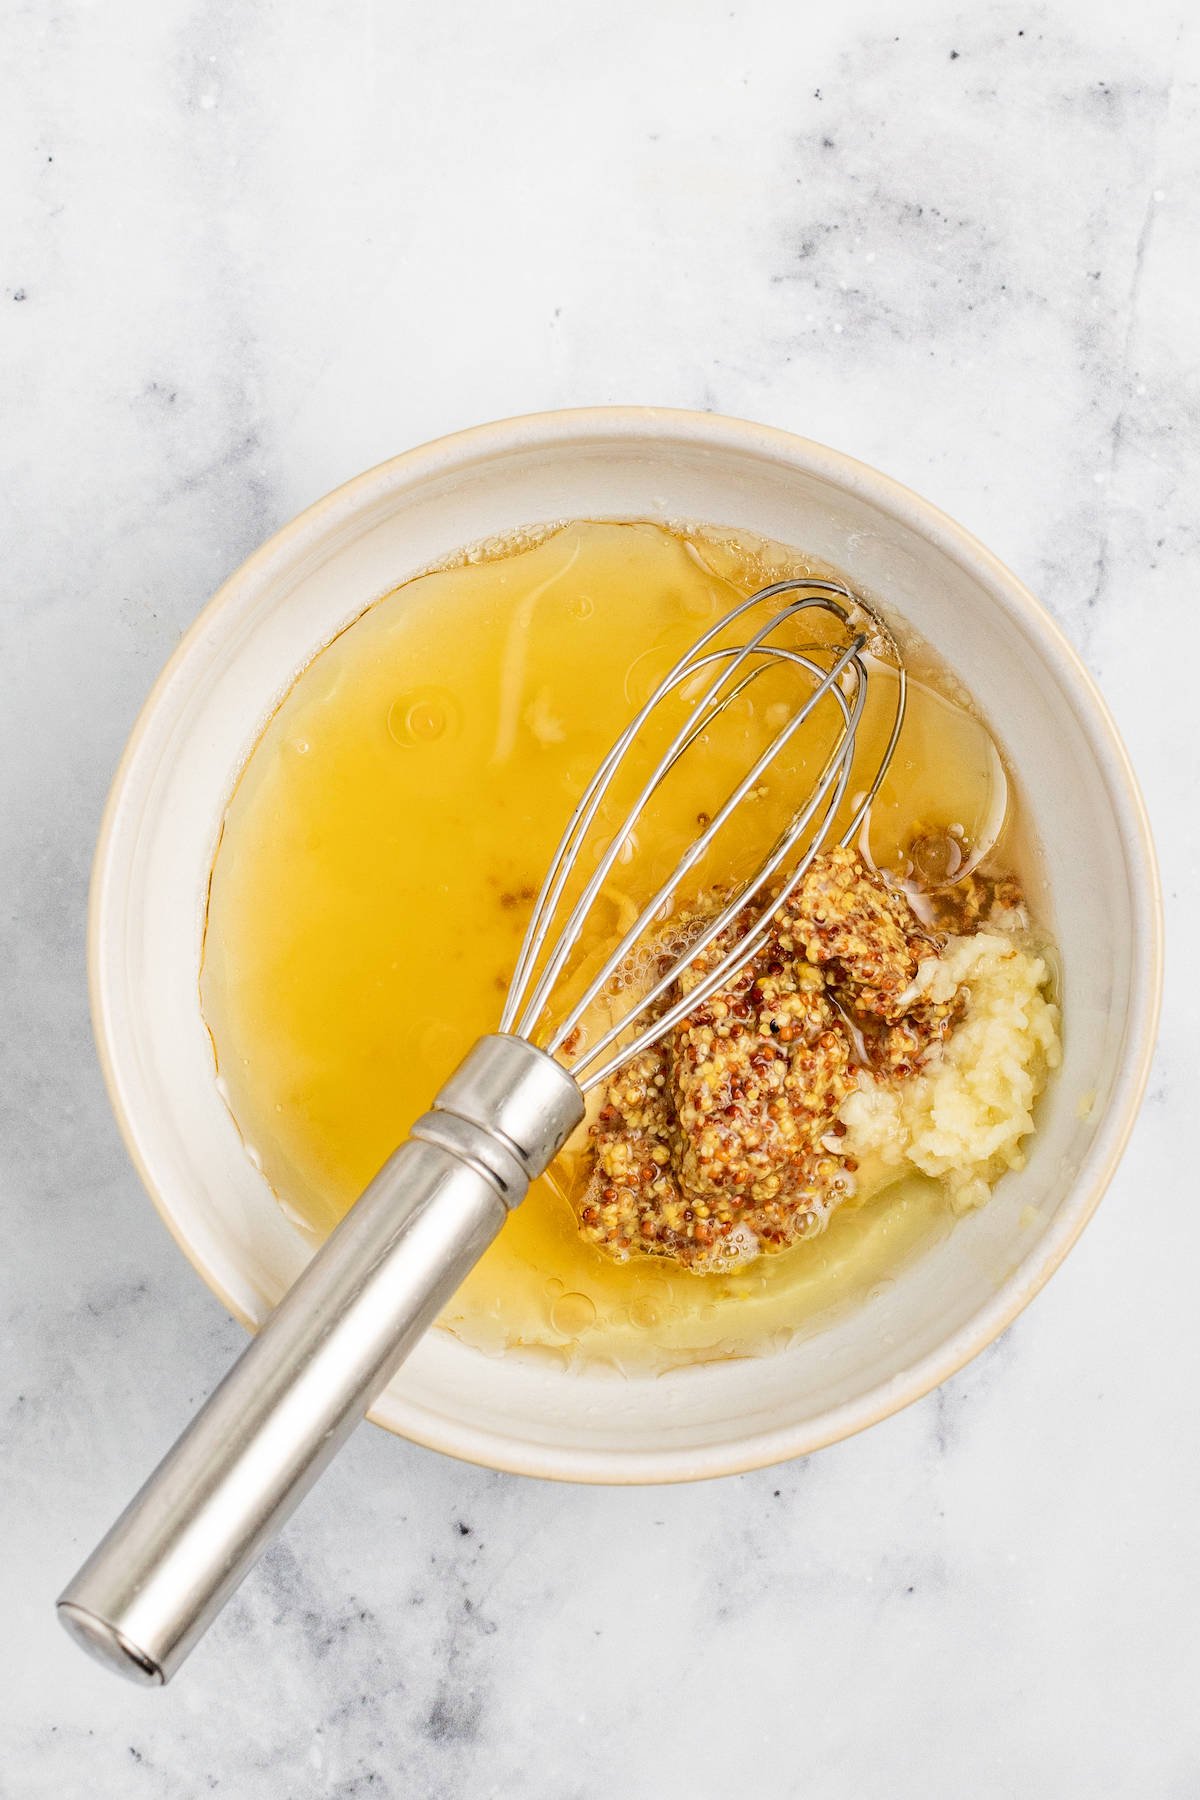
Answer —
438 1043
573 1314
422 716
646 671
625 854
575 775
700 602
937 857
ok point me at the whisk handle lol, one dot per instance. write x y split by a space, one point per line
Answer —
156 1582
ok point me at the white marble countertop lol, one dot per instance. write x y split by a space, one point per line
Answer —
247 251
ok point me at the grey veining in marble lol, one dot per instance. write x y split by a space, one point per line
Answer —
247 250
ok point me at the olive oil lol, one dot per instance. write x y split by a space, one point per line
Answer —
378 862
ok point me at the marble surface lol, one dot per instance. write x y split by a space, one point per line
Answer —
248 250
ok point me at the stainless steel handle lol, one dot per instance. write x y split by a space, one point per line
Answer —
156 1582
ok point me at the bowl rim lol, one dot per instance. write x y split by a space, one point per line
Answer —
482 443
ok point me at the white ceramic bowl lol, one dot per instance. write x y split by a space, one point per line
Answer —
289 599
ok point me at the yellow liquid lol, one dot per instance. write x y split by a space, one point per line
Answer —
376 870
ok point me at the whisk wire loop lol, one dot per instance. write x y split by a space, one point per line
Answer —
581 820
843 680
593 795
651 911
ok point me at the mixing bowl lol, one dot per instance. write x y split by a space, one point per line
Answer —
156 847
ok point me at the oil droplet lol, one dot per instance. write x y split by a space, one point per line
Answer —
698 602
583 606
573 1314
438 1043
644 1313
576 774
302 746
555 1287
421 716
625 854
937 857
646 671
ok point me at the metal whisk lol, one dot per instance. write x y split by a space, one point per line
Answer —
155 1583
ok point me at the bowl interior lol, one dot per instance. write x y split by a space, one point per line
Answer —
296 593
